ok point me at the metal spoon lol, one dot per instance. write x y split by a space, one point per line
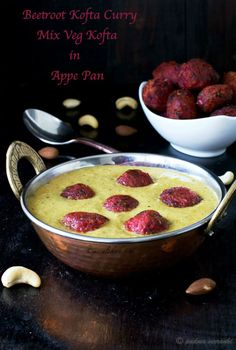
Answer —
54 131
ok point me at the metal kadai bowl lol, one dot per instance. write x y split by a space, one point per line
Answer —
118 257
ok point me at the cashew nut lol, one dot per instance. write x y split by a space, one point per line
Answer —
71 103
88 119
126 101
19 274
227 178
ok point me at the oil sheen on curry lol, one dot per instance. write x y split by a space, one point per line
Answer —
120 201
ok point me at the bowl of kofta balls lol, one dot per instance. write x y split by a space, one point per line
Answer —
192 106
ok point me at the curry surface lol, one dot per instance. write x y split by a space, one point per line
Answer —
47 205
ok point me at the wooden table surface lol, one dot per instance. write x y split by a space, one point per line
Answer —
72 310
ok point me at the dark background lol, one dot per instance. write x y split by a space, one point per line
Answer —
164 30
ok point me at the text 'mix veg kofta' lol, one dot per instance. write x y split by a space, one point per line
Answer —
167 70
181 105
196 74
214 96
155 94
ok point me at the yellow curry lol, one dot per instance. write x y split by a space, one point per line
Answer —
49 206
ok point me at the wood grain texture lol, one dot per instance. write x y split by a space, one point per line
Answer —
72 310
211 33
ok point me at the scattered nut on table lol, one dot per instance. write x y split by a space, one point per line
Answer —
227 178
20 274
201 286
126 101
88 119
48 152
71 103
125 130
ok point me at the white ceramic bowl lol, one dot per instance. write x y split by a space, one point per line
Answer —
202 137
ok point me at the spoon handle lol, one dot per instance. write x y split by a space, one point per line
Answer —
95 144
